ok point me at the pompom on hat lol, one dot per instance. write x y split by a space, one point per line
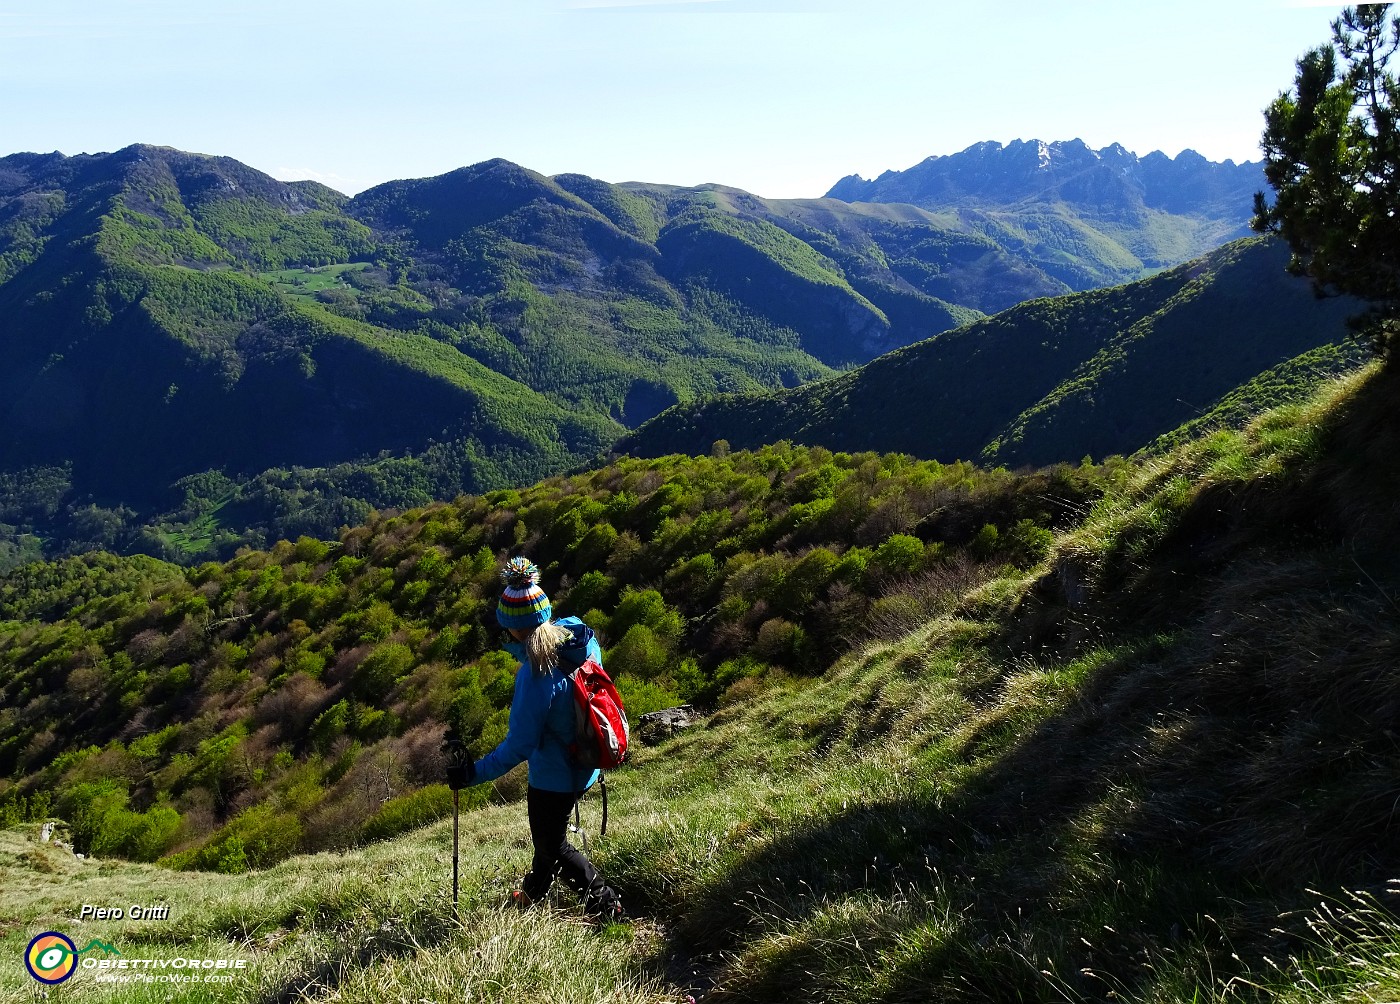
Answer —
523 604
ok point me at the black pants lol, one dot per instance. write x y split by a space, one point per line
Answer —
554 855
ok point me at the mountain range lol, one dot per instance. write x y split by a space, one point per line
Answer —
181 334
1087 217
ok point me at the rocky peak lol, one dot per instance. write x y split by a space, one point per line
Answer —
1110 181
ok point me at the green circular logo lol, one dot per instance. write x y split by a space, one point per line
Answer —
51 957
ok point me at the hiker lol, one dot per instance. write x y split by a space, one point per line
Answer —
541 728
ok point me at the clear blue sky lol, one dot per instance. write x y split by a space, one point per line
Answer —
779 97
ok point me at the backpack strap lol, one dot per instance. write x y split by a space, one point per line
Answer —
577 826
603 787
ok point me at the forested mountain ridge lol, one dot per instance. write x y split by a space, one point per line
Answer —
1101 372
1088 217
189 348
144 338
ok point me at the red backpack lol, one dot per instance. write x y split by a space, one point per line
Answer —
600 734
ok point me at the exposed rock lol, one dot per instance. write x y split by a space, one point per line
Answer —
658 726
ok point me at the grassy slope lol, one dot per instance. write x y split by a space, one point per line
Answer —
1291 382
1120 771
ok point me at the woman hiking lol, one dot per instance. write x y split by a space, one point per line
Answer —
540 731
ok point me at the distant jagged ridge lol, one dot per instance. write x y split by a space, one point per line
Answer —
1068 202
1092 180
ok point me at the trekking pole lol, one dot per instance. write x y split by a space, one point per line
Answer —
459 775
454 855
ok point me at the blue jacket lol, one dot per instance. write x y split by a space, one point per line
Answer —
542 718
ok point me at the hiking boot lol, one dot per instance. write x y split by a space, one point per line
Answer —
610 915
605 911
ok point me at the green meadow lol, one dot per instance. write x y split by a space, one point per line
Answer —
305 283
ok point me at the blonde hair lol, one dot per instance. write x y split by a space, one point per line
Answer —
543 643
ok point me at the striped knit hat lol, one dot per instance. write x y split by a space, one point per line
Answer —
523 603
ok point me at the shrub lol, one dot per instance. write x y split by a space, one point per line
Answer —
330 725
732 671
373 724
374 623
640 653
689 679
807 580
256 838
594 548
781 642
154 832
641 697
693 579
647 607
1027 544
491 733
984 543
310 550
900 554
382 668
740 690
593 589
